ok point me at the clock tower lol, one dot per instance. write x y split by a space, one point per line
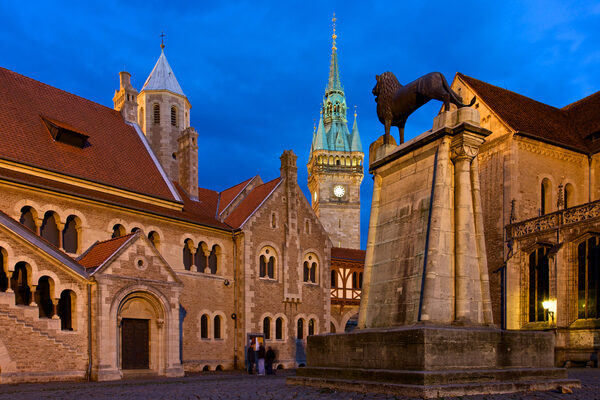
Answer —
335 166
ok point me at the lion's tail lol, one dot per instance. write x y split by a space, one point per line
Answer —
455 96
473 100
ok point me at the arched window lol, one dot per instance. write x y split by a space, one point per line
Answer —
217 327
28 218
267 327
267 262
118 231
3 270
173 116
273 220
213 259
300 329
49 229
354 280
154 238
279 328
43 297
66 307
539 284
311 327
204 326
71 235
337 161
20 284
141 117
331 327
188 257
156 110
588 257
333 278
545 196
310 268
200 259
569 201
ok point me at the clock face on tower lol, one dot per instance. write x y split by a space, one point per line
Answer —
339 191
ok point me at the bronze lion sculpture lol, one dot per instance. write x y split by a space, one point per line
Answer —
395 103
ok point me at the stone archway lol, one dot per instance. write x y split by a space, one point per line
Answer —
141 337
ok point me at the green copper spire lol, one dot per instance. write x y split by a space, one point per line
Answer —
334 72
332 133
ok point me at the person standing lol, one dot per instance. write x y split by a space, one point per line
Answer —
261 360
269 358
250 358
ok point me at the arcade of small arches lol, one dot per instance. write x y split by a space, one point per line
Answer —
156 114
267 327
304 328
337 109
201 258
216 322
119 230
565 196
63 235
47 292
344 161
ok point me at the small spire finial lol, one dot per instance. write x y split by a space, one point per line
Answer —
334 36
355 112
162 42
314 124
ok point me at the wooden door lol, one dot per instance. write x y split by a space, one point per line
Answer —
135 342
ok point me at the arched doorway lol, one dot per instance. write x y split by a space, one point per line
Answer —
141 337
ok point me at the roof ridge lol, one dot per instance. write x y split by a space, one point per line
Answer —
568 107
509 91
115 238
62 90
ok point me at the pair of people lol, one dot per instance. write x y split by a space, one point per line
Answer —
263 359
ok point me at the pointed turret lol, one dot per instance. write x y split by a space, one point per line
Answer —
319 136
334 72
355 144
162 76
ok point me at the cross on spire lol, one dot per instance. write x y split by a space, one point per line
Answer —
162 36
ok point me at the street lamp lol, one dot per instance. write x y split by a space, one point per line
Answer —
550 306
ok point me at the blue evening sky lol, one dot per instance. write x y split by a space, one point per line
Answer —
255 71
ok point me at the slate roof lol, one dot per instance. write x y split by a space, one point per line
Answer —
102 251
348 254
115 155
250 203
568 127
162 77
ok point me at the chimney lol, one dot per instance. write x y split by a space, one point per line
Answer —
125 99
288 169
187 159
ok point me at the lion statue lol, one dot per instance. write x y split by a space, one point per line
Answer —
395 103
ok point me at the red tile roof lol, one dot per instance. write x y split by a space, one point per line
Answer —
566 127
348 254
228 195
115 156
252 201
102 251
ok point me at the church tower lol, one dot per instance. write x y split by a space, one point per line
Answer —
163 114
335 166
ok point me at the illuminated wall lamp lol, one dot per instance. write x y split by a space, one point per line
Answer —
550 306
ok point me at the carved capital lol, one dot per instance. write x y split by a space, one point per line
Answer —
465 146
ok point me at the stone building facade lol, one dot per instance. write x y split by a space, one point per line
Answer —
539 190
115 262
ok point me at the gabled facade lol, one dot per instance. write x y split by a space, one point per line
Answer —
539 185
121 263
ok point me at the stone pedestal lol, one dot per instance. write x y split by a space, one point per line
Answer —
425 321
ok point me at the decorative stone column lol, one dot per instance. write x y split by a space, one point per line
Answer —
55 309
468 302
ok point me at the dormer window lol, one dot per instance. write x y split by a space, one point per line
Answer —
64 134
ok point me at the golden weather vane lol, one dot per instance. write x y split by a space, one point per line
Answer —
334 36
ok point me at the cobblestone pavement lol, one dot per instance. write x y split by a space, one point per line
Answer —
236 385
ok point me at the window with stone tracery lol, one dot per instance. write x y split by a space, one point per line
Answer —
588 263
539 284
310 267
267 262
